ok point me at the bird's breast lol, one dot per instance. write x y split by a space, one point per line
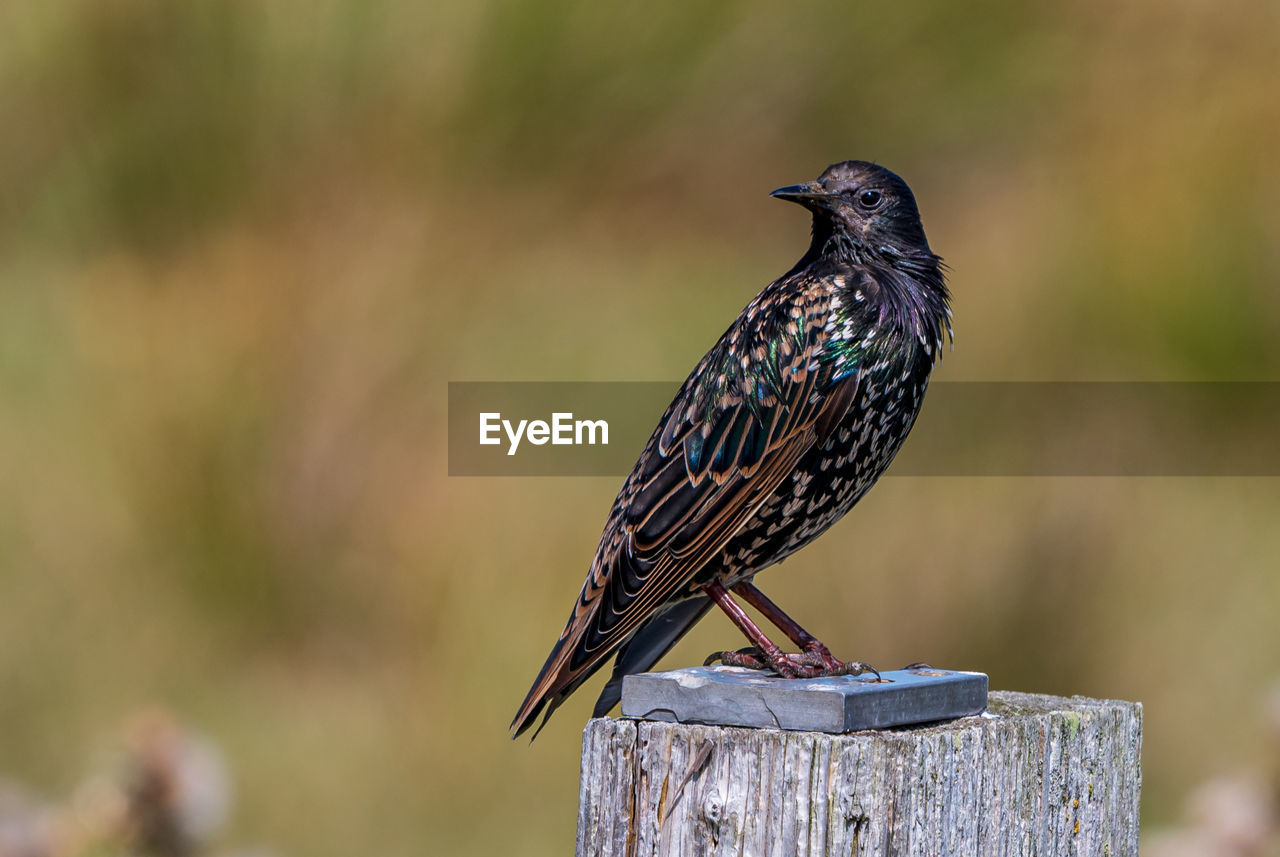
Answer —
832 477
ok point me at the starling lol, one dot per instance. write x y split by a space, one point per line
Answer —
782 427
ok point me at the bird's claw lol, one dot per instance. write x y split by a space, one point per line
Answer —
749 657
831 665
808 664
852 668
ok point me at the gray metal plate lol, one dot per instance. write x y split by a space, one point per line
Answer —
732 696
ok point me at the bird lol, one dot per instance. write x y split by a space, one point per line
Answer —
779 430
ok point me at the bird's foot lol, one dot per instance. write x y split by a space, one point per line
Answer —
748 657
808 664
815 652
850 668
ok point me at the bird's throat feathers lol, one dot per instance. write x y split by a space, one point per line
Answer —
906 283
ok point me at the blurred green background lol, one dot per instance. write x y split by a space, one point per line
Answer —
244 246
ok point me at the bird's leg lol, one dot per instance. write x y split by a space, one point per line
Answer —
773 656
811 645
766 653
784 623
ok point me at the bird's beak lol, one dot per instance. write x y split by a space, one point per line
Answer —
807 194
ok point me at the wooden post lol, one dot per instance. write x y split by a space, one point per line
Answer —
1035 775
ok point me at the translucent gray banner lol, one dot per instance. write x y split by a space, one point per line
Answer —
966 429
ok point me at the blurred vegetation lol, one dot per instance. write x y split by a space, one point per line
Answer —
162 792
243 247
1234 814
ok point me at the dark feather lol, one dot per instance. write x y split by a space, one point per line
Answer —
653 640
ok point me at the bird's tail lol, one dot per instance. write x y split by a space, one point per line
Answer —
653 640
650 642
555 681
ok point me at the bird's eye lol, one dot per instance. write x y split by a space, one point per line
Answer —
870 199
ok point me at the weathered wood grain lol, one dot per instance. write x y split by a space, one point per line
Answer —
1036 775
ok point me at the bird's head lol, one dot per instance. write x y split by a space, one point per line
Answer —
861 204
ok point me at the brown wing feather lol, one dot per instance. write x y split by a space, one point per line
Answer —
678 510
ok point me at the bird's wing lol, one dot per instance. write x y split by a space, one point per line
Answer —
722 448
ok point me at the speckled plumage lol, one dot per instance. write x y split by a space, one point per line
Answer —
781 428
